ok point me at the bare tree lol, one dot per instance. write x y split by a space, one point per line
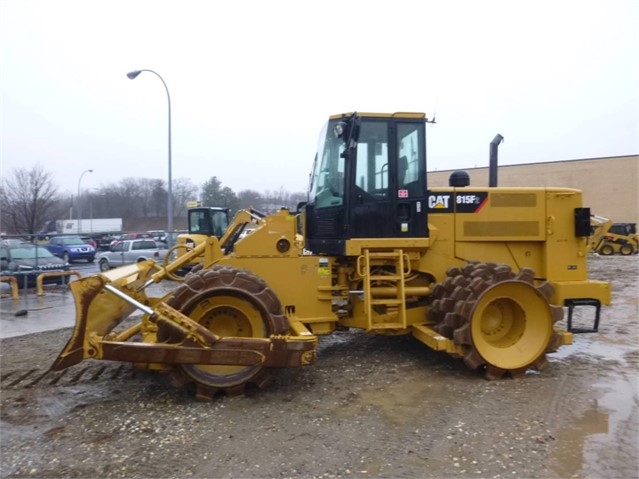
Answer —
184 190
250 198
159 195
28 198
147 188
274 200
130 198
142 198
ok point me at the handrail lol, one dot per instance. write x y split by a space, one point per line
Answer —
41 277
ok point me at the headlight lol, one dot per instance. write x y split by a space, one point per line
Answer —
24 267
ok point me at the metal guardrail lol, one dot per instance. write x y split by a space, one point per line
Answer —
39 279
14 285
41 276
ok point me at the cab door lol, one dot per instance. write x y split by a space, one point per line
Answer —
387 189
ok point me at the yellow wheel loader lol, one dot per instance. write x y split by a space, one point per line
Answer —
203 222
479 273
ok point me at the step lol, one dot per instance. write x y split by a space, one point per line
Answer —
387 302
385 278
383 254
393 325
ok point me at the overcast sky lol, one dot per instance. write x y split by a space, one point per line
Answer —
252 82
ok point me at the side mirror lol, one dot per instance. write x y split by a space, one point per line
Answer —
341 130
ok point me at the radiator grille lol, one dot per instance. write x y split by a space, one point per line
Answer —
325 227
513 199
501 228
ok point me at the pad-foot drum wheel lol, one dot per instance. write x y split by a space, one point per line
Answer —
502 321
230 303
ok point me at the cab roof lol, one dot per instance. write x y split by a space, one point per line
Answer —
399 114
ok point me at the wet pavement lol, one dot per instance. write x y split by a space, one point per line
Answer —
31 313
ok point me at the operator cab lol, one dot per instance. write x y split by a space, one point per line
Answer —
368 181
208 221
623 229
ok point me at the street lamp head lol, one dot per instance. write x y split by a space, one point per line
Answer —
169 207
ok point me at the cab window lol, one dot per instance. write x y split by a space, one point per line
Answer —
411 172
327 183
371 168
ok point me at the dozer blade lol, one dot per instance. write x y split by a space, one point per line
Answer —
98 310
105 300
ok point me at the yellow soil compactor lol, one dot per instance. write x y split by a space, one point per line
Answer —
480 273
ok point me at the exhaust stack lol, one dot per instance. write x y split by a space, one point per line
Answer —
492 168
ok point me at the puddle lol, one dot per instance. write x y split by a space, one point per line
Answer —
605 436
603 440
608 351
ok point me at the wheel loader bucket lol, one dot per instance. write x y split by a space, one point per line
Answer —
99 311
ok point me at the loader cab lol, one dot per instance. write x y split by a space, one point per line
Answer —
368 181
624 229
208 221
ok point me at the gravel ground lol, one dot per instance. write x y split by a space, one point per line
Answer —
370 407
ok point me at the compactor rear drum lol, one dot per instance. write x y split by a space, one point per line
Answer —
229 302
502 321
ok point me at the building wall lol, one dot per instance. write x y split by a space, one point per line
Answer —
610 185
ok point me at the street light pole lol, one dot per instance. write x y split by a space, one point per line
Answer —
169 207
91 207
79 211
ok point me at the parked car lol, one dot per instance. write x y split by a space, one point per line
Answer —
71 248
91 241
27 261
129 252
158 235
13 242
103 240
172 237
131 236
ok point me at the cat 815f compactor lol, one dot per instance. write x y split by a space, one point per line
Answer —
480 273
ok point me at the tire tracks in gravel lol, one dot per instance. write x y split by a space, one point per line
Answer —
38 378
